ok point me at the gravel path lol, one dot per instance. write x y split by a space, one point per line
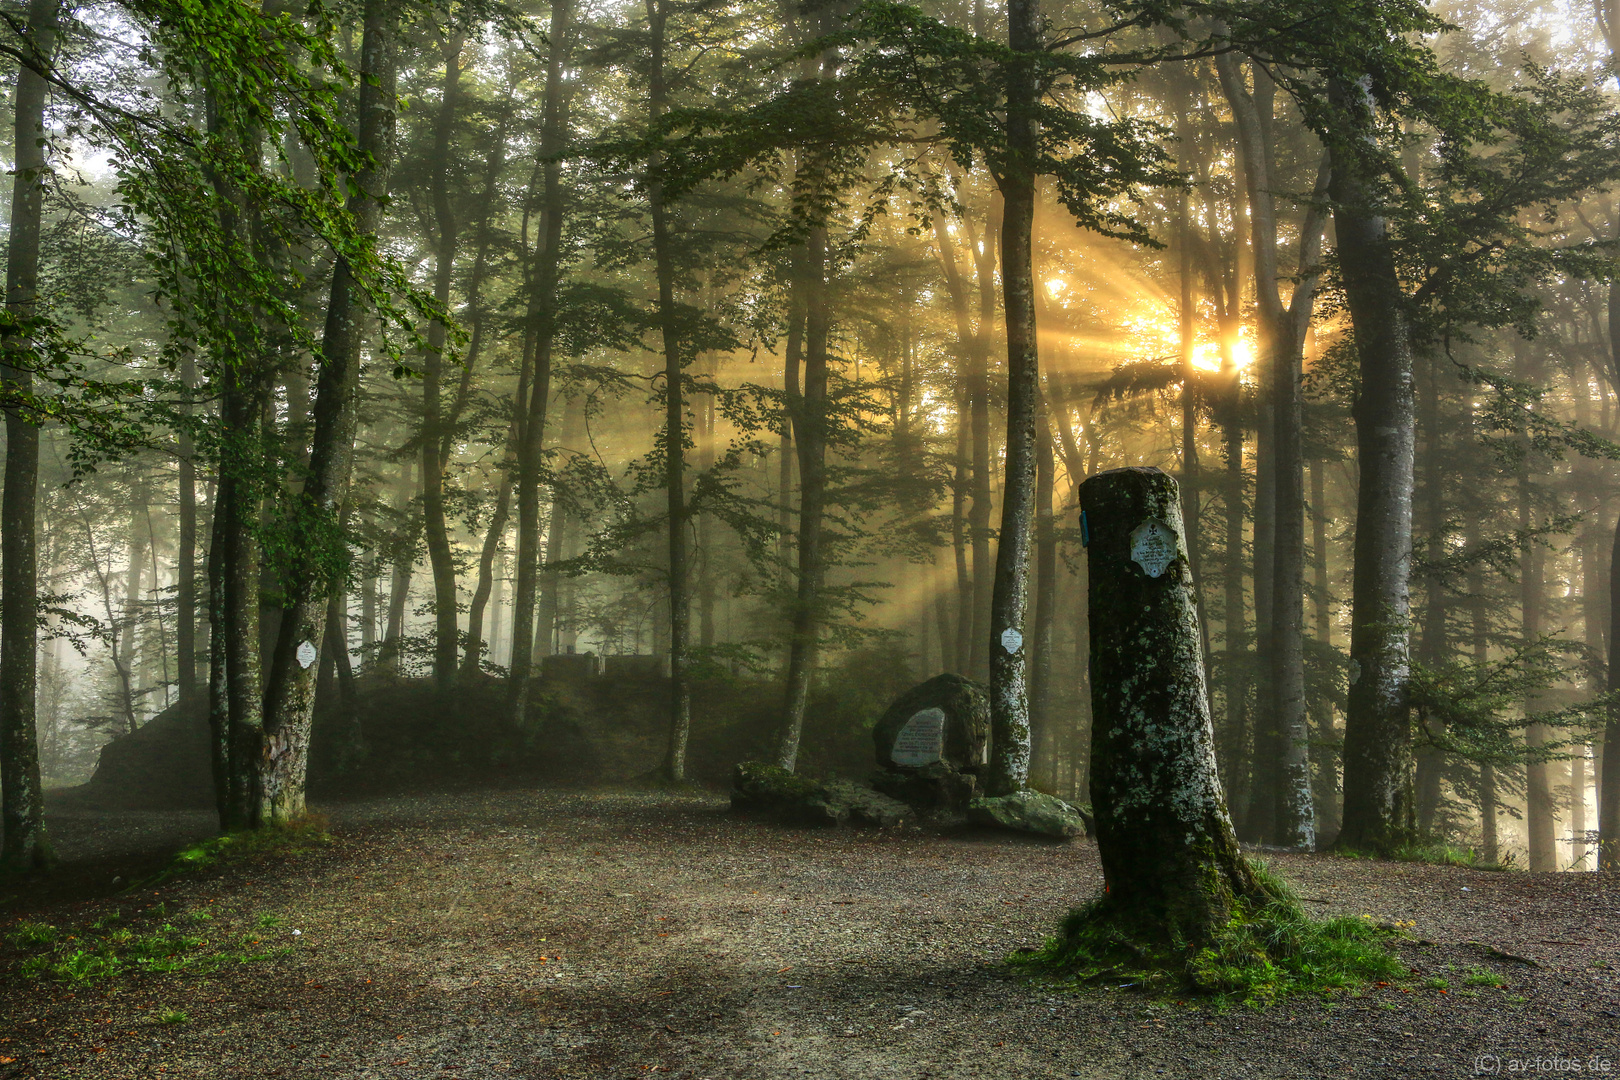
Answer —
607 935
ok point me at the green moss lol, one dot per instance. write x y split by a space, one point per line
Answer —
1269 950
247 845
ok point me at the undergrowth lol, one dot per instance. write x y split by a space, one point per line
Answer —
247 845
1433 852
103 951
1265 953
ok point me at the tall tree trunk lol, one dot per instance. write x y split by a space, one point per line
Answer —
1009 698
1041 720
399 578
289 698
434 524
1286 817
1431 649
1479 632
486 578
22 801
961 529
1609 768
541 320
1377 738
679 579
809 413
1326 798
978 380
133 574
1540 810
185 592
1235 751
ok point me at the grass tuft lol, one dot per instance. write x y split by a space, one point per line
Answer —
1264 954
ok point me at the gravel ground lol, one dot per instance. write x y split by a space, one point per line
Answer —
565 934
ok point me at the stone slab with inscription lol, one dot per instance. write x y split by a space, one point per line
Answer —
931 743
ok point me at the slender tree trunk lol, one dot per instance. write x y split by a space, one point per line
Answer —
434 524
961 529
289 698
486 578
1326 760
1235 751
1377 742
679 579
1041 720
1540 810
399 579
127 672
1479 628
541 330
978 380
22 801
1009 698
185 570
792 360
1431 648
809 414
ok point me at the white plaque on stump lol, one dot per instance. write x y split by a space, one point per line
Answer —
922 740
1153 547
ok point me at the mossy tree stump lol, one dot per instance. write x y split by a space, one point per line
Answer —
1170 858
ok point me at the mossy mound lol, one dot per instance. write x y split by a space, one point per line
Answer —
1266 952
799 800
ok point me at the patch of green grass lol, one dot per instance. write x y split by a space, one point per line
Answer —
174 1016
1264 954
248 845
29 935
1436 983
269 921
123 951
1433 852
1482 977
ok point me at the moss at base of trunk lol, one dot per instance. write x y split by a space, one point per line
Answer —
1266 952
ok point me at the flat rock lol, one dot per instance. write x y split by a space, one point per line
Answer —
1029 812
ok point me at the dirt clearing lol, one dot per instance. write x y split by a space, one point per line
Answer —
559 934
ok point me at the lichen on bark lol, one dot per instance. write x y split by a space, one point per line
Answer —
1169 854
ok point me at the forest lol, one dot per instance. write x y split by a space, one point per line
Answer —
762 348
480 475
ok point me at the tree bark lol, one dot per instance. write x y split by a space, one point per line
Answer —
1167 846
1009 695
22 800
1043 738
1326 798
541 324
434 525
809 413
674 435
185 570
1377 750
283 757
399 578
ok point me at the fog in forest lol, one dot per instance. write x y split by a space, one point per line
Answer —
407 394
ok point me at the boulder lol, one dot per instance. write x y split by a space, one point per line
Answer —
946 719
799 800
931 744
1030 812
